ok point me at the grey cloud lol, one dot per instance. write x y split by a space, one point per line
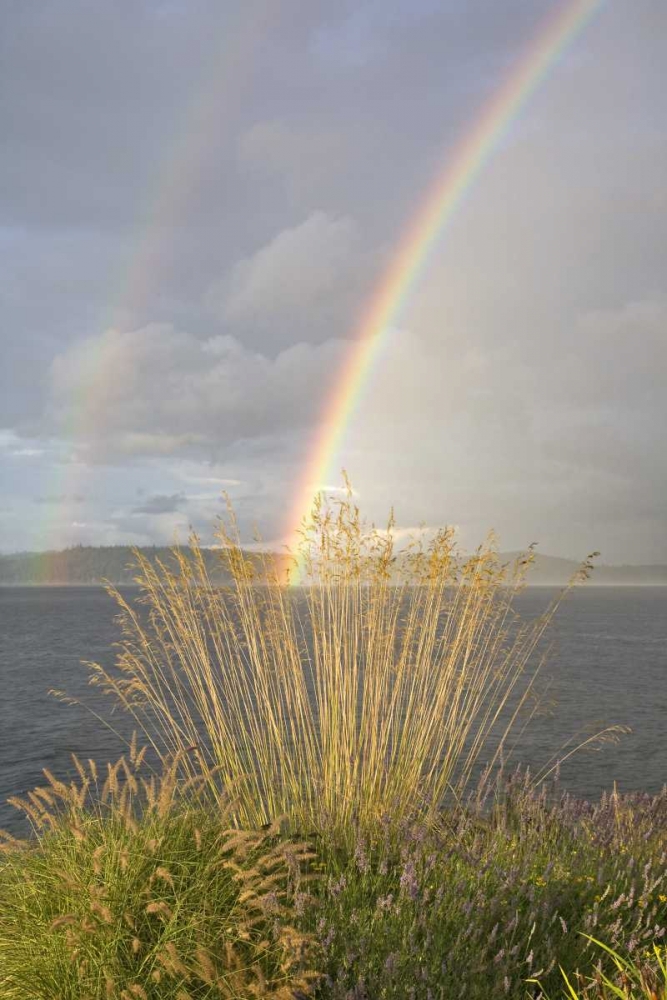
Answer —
61 498
226 189
91 97
495 439
158 391
160 504
305 158
304 283
490 438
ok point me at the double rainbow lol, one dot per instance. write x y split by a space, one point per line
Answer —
461 169
180 178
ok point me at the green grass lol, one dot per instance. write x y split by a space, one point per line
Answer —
628 979
147 892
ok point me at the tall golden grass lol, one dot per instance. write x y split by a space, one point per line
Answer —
367 695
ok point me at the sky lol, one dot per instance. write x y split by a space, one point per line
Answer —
198 200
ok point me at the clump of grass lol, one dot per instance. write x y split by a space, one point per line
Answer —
630 980
137 889
372 691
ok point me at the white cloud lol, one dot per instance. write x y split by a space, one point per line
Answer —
28 452
158 391
303 283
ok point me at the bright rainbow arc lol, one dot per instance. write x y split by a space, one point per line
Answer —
462 168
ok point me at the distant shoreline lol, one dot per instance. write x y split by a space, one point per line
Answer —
90 566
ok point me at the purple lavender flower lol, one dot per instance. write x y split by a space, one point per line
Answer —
361 858
335 888
408 881
328 938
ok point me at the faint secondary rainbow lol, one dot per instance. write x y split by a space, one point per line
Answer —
461 169
168 196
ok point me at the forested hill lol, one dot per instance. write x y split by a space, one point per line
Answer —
87 564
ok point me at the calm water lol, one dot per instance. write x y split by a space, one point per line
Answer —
608 665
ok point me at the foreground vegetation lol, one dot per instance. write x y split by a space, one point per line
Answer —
493 908
314 821
153 894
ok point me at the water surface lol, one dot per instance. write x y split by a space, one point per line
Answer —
608 665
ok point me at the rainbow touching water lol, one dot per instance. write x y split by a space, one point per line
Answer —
461 169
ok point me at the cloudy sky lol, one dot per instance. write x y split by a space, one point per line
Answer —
198 199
